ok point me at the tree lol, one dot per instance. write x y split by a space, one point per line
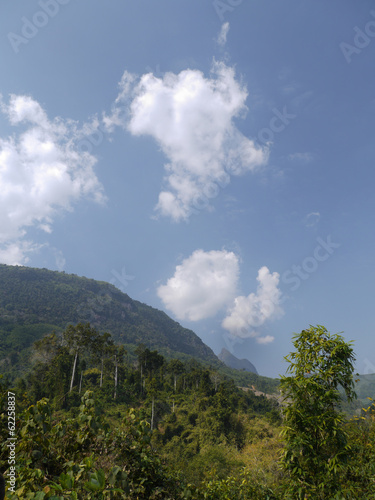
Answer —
78 339
103 346
119 353
176 367
140 352
46 348
316 445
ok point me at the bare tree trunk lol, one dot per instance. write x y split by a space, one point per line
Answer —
215 379
115 395
80 383
152 413
101 375
74 371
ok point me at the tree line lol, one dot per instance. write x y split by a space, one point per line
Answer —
96 423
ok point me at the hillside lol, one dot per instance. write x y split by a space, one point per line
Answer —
152 430
238 364
34 302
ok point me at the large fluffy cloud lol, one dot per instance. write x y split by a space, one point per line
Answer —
206 283
42 170
203 284
250 313
192 119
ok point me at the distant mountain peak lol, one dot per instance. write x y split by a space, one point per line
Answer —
238 364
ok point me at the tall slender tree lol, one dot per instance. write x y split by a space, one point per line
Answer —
175 367
79 338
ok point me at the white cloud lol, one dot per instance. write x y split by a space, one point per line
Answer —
265 340
119 113
302 157
206 283
15 253
222 38
42 171
191 118
60 259
251 312
203 284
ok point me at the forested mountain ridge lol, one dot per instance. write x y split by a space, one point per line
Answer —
33 302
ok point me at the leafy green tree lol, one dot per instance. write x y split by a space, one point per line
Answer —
46 348
316 443
152 361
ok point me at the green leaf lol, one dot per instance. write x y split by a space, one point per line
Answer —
96 482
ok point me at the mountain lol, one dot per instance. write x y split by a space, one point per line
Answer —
34 302
237 364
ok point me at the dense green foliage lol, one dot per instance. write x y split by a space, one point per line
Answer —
93 422
317 451
111 434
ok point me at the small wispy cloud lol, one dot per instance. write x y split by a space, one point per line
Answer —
267 339
59 259
301 157
222 37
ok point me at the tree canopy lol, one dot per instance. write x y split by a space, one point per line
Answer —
316 442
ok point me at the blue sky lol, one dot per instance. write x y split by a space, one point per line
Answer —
214 159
